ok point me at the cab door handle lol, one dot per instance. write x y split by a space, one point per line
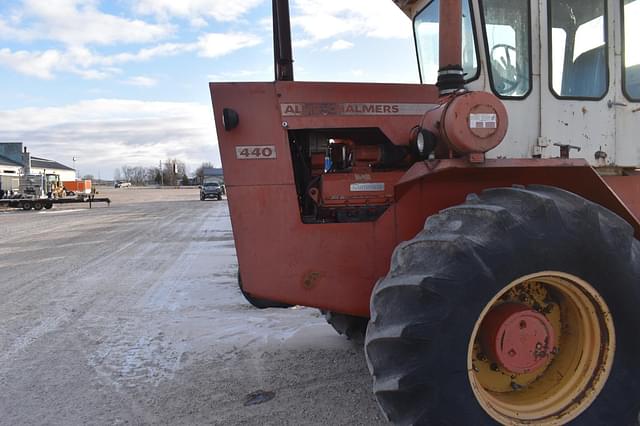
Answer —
611 104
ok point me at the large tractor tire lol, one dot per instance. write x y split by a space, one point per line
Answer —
520 306
353 328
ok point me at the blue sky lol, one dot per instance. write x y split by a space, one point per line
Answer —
125 81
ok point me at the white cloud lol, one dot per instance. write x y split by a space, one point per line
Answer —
36 64
45 64
107 133
302 42
213 45
12 31
263 74
324 19
147 53
78 23
220 10
198 22
91 65
340 45
141 81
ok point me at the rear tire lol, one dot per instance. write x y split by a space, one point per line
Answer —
425 310
38 205
353 328
26 205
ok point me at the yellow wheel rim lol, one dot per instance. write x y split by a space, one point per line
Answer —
574 370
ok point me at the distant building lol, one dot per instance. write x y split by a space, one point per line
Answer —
9 173
212 174
212 171
13 159
44 166
11 151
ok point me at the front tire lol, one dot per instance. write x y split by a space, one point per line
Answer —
419 343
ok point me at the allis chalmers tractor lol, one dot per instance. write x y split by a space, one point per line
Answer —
483 223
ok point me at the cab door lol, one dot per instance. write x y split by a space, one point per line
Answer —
578 78
511 69
627 94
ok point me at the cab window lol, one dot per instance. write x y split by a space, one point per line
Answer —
631 70
507 37
579 48
426 29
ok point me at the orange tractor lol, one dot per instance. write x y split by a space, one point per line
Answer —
481 226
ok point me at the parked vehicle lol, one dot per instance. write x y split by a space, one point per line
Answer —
122 184
211 190
483 224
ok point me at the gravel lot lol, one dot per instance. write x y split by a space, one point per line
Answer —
130 314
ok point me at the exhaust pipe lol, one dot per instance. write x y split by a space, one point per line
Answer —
282 53
26 162
450 73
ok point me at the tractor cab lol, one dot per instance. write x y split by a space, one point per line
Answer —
567 72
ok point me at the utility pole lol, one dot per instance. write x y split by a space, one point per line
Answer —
161 175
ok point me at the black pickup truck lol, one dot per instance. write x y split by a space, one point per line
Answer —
210 190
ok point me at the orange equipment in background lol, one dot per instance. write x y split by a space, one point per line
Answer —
78 186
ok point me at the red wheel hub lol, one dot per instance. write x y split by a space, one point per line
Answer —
517 337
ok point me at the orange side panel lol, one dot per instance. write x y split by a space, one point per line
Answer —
447 182
628 189
330 266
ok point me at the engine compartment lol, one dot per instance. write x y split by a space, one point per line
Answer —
345 175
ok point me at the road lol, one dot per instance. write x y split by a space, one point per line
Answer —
131 314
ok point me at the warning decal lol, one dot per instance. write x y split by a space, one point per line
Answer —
483 121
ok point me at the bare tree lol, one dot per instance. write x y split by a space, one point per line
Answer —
173 171
137 175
